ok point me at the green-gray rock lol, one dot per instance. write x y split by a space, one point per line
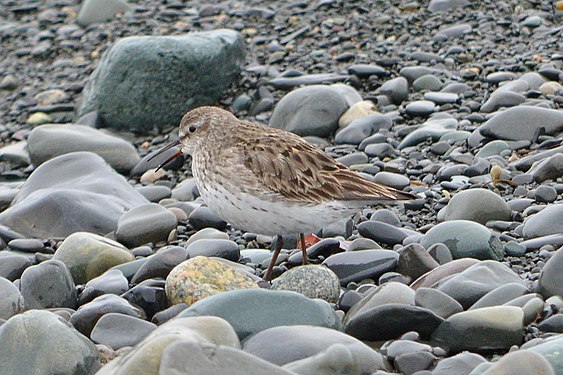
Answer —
93 11
39 342
144 82
253 310
88 255
465 239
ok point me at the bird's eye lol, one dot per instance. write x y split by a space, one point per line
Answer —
192 129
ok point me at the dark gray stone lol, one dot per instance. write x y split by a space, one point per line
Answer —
119 330
226 249
359 265
147 223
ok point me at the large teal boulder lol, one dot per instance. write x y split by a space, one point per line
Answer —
144 82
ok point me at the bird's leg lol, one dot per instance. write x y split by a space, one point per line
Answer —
277 246
303 247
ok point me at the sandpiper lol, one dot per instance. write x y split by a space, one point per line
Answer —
270 181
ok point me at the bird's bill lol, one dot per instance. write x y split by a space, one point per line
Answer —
164 149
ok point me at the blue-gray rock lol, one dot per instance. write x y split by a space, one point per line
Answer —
48 284
546 222
492 148
395 180
85 318
219 248
446 5
93 11
12 265
441 97
119 330
160 264
364 264
397 89
481 330
48 141
502 98
11 300
550 282
155 193
382 232
283 345
312 281
498 77
147 223
420 108
433 128
90 194
168 74
390 321
312 110
427 82
451 32
359 129
478 205
522 122
500 295
412 73
250 311
438 302
468 286
26 346
459 364
110 282
545 194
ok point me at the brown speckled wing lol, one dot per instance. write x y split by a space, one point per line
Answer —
307 174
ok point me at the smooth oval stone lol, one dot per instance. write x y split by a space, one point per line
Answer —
207 233
13 265
547 221
110 282
93 11
143 224
118 330
49 141
251 311
462 363
521 362
359 129
203 217
31 337
550 349
468 286
27 245
88 255
391 320
367 70
160 264
522 122
543 194
420 108
200 277
441 97
11 300
150 355
492 148
500 295
498 77
282 345
438 302
427 82
397 89
411 73
465 239
502 98
219 248
433 128
550 282
394 180
390 292
48 284
381 232
85 318
479 205
312 281
446 5
149 295
155 193
312 110
359 265
481 330
81 185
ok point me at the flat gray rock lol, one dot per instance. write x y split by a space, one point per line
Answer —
119 330
522 122
168 74
79 190
48 141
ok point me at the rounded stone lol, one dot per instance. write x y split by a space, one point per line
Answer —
521 362
118 330
479 205
550 282
146 223
88 255
465 239
311 281
312 110
201 277
219 248
48 284
547 221
11 300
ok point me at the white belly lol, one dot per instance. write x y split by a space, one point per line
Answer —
251 214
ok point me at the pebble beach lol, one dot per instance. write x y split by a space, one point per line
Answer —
109 265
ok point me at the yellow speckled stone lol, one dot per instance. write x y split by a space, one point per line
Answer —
201 277
39 118
559 5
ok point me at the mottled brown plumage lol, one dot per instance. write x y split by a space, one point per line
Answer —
271 181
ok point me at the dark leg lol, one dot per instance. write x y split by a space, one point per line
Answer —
277 246
303 247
